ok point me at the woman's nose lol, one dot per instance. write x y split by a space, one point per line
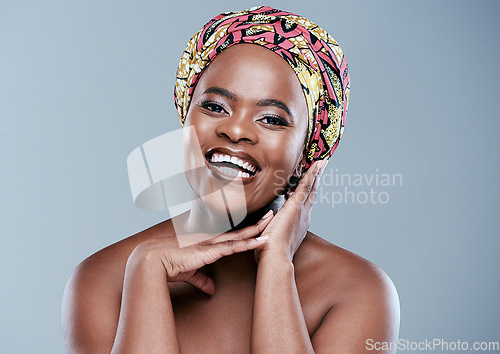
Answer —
238 128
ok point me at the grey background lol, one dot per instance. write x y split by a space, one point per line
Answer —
84 83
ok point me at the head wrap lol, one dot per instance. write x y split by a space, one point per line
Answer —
313 54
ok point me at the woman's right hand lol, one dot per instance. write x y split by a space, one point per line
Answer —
182 263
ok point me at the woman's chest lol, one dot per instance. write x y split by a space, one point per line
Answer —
214 326
224 325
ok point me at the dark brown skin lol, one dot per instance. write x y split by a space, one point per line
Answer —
288 291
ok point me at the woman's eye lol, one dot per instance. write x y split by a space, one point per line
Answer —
213 107
273 120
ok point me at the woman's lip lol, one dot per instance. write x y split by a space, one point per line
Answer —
236 153
215 171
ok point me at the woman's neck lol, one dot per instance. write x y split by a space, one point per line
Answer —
202 219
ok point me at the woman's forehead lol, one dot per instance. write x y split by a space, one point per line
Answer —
244 57
253 72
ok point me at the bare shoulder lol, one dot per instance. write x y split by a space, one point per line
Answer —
337 268
359 299
92 297
106 267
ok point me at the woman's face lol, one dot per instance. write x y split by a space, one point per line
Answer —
250 118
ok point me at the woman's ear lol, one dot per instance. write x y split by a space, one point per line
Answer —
301 163
297 173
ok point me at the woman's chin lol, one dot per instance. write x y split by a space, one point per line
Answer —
225 202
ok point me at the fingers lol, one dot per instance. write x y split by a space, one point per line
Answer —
312 194
306 190
213 252
228 247
192 239
210 253
196 256
202 282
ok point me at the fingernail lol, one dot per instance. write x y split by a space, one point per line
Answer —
262 238
267 215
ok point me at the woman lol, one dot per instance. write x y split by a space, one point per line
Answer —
262 95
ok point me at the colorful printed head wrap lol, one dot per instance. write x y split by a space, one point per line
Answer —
313 54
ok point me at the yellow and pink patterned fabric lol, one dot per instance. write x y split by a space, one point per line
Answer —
314 55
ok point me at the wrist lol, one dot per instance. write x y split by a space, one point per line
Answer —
277 250
275 258
145 259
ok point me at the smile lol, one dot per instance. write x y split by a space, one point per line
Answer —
230 165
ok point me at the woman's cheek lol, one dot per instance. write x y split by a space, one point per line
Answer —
281 180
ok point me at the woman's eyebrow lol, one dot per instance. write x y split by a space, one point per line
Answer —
222 92
262 103
275 103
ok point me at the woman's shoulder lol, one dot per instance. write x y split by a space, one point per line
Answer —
340 274
93 291
109 262
103 272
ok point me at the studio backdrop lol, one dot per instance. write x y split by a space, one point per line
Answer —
413 185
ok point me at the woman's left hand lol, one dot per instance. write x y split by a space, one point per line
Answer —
289 226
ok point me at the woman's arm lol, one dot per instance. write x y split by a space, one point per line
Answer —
367 318
369 309
278 324
95 318
146 323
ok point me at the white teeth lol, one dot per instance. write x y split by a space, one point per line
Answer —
232 173
234 160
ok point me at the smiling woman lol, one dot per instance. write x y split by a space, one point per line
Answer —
262 95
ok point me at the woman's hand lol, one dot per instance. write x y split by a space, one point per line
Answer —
289 226
277 311
182 263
